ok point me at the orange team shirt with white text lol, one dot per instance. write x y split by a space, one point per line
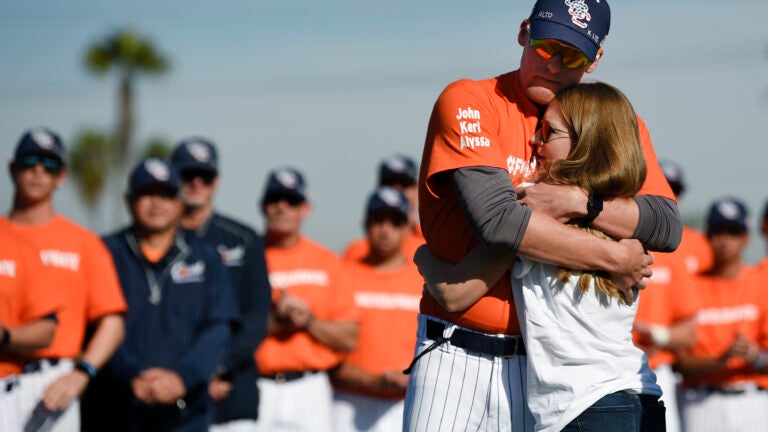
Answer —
358 249
25 295
82 269
485 123
311 273
696 250
730 306
388 302
669 297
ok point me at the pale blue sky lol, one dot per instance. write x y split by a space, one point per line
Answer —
332 87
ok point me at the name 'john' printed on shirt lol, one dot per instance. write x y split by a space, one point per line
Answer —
60 259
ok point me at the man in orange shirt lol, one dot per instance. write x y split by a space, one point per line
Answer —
694 246
369 385
313 321
476 151
27 318
725 378
764 231
83 270
398 171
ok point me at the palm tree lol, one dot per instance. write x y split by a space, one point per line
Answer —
88 165
129 54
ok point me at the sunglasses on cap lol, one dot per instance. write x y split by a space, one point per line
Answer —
571 58
51 165
290 199
206 176
547 131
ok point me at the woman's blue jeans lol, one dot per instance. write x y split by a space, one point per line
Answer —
621 412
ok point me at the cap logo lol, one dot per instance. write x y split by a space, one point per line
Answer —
578 10
287 179
396 164
199 151
157 169
390 196
43 139
729 210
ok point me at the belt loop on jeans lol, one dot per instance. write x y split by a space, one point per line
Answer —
478 342
36 365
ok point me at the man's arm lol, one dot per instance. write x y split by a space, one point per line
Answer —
500 221
28 337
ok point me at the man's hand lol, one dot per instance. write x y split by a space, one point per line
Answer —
295 311
634 268
219 389
395 381
561 202
64 390
742 348
159 386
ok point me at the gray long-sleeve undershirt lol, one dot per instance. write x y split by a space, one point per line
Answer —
499 220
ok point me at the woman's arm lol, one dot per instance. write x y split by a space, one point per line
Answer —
457 287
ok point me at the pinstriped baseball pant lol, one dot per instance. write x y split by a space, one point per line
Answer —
452 389
707 411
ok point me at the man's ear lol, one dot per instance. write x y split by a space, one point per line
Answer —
592 66
524 34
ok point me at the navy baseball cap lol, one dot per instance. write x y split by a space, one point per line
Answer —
397 169
387 199
153 172
674 174
581 23
196 154
285 181
40 141
728 212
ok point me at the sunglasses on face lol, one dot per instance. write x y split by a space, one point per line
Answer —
547 131
571 58
291 200
51 165
206 176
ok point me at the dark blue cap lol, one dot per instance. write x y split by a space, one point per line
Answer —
40 141
581 23
195 154
286 181
387 198
674 175
728 212
152 172
397 169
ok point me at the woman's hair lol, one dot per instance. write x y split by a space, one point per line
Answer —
606 157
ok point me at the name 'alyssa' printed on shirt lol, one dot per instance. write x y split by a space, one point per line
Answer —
469 127
289 278
388 301
60 259
728 315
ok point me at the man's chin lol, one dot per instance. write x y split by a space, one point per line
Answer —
540 95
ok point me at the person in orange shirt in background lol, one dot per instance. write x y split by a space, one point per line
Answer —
764 230
369 385
694 246
83 270
313 321
27 318
398 171
725 375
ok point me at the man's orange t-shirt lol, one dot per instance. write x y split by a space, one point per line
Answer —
358 249
696 250
25 291
670 296
485 123
730 306
313 274
83 270
389 305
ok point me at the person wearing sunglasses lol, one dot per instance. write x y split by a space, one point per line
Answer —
313 321
476 152
233 387
82 268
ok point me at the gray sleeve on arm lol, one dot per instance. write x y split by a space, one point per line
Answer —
659 227
490 204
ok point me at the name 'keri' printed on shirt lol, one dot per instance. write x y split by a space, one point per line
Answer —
8 268
182 272
727 315
387 301
469 128
60 259
289 278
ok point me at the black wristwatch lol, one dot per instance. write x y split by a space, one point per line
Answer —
594 207
86 367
